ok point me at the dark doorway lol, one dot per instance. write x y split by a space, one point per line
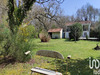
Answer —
50 35
63 36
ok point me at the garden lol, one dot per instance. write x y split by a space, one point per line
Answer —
79 62
24 26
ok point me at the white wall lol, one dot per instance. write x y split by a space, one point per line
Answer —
88 32
57 34
61 33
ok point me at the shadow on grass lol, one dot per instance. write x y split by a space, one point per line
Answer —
74 67
68 40
80 67
6 61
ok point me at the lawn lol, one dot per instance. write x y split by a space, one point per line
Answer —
79 51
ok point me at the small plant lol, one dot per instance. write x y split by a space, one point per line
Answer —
44 36
87 37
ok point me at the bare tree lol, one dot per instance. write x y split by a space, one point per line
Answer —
44 1
47 15
89 12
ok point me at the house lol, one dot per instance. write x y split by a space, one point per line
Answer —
86 28
59 33
56 33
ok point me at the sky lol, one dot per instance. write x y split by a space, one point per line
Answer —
70 7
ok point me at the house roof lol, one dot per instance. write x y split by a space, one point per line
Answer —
55 30
81 22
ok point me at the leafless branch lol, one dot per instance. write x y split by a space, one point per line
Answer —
44 1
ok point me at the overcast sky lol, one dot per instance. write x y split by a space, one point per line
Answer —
70 6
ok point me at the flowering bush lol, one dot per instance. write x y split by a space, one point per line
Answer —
15 45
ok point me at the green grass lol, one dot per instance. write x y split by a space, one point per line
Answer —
82 49
79 51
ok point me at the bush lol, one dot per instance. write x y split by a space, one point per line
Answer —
98 32
4 32
44 36
93 33
75 31
18 43
28 31
87 37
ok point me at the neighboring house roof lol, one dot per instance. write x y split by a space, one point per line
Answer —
81 22
55 30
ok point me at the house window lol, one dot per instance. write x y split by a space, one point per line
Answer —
85 27
68 29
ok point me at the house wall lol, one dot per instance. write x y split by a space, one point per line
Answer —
61 33
56 35
83 34
86 32
66 34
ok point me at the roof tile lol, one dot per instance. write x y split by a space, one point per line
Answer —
55 30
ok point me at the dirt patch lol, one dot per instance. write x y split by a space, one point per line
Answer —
31 61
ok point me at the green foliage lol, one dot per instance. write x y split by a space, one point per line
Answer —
27 31
44 36
93 33
75 31
15 46
73 66
98 32
4 32
54 26
87 37
17 14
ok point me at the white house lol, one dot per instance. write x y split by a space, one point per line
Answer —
59 33
56 33
86 28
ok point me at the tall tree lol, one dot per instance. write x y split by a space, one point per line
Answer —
3 10
89 12
46 15
16 14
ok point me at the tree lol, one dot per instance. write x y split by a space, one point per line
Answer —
89 12
3 11
46 15
97 30
75 31
16 14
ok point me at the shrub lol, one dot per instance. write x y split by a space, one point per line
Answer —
98 32
44 36
27 31
75 31
4 32
18 43
87 37
93 33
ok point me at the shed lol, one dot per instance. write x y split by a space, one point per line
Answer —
56 33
